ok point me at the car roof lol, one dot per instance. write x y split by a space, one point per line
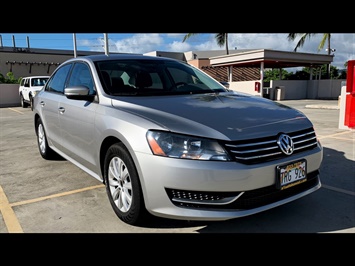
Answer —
102 57
35 77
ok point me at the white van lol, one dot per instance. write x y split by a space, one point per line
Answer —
29 86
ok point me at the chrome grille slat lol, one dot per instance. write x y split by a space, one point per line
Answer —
183 197
250 144
303 147
301 141
303 135
254 151
223 201
258 156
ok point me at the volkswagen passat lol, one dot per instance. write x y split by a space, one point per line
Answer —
168 140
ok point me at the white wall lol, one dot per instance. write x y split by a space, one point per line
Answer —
244 86
295 89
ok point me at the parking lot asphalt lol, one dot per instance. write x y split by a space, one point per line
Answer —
39 196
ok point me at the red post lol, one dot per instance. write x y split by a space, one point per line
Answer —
349 119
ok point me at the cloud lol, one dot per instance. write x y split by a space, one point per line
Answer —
173 42
177 46
139 43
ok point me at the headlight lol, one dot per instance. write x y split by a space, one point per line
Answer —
185 147
34 93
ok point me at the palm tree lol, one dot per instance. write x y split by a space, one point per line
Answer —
221 38
304 36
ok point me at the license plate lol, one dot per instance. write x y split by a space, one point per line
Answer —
291 174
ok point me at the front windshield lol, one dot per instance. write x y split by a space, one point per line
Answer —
152 77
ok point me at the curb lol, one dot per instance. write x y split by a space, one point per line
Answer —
334 107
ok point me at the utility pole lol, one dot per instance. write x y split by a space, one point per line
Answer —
106 43
74 42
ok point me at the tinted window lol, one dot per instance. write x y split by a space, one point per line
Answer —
27 83
152 76
57 82
81 76
38 81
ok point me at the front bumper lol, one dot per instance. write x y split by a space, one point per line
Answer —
205 190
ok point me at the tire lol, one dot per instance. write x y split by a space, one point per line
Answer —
31 102
23 103
123 186
45 151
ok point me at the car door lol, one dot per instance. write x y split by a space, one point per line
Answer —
77 119
49 101
26 88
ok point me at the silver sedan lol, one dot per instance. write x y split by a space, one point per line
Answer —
168 140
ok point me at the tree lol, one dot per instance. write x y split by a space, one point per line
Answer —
304 36
334 72
274 74
221 38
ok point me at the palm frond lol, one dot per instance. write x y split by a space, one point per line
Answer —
187 36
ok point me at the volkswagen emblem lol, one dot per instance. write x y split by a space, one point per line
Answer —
286 144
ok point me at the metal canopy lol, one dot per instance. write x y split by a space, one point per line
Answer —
271 59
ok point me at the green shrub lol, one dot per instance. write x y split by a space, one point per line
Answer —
9 79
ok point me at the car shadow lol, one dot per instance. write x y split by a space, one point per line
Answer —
329 209
56 157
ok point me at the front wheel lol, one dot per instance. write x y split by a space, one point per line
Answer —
31 102
123 186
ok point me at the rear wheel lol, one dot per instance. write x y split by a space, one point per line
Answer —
123 186
45 151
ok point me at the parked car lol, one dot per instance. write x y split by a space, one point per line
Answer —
29 86
168 140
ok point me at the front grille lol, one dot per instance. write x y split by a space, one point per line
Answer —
238 200
253 151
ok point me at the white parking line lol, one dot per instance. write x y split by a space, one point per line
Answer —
339 190
334 135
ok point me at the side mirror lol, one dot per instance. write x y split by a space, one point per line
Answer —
78 93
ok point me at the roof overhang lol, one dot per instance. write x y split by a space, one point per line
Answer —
271 59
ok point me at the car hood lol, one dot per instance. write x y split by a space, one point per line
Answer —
229 116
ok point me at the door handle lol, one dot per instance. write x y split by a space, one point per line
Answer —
61 110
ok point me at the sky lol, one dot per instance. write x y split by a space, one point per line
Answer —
342 44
